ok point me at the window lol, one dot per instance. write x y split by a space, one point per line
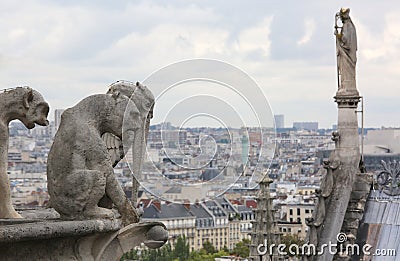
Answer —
291 211
307 211
298 211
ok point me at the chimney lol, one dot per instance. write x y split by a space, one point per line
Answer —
156 203
186 204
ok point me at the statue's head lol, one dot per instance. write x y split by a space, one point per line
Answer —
145 100
35 109
138 93
344 13
122 87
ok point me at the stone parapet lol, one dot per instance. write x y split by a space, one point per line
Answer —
54 239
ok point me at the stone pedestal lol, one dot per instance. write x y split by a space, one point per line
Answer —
43 236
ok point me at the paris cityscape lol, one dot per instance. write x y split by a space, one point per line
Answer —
202 131
296 169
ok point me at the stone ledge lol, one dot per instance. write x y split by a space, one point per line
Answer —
50 238
22 230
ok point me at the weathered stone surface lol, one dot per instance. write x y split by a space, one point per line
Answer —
79 167
358 195
28 106
102 239
47 213
142 97
346 46
361 184
264 226
343 163
45 229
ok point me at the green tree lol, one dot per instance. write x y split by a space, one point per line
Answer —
290 239
131 255
202 255
164 253
242 248
197 255
181 250
208 247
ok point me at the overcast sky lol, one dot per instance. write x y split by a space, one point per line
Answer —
68 50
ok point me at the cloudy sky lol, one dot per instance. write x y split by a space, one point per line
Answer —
70 49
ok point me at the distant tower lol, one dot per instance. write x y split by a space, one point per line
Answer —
264 226
279 121
57 117
245 149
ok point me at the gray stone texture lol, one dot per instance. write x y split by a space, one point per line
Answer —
346 47
143 99
80 174
343 163
55 239
80 170
264 226
28 106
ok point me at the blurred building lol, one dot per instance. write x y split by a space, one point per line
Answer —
279 121
311 126
57 117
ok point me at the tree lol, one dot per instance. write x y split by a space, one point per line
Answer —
202 255
290 239
242 248
131 255
181 250
208 247
164 253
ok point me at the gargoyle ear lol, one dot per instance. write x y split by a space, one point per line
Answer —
28 98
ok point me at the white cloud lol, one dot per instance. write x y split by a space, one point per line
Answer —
70 50
256 38
309 29
382 45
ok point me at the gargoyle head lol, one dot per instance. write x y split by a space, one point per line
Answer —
35 109
138 93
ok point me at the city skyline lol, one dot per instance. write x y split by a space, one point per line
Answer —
71 50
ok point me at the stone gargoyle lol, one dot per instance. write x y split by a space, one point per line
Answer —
142 97
80 169
28 106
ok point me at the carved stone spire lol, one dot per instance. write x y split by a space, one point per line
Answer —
264 227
